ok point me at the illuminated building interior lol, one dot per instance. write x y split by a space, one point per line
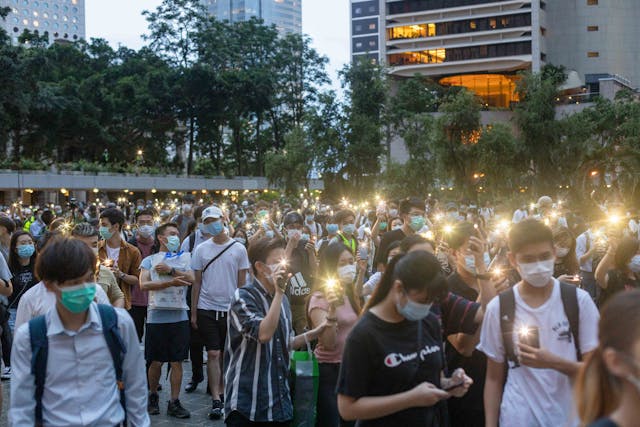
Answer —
495 90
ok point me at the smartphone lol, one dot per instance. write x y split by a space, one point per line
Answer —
530 335
363 252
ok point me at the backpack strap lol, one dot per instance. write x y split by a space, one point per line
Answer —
192 241
39 355
507 320
569 295
109 319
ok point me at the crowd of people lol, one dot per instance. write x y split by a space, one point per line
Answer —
418 311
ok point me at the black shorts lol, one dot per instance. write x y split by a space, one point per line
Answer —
167 342
213 328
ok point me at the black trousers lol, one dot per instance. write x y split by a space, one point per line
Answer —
327 407
6 341
139 315
196 346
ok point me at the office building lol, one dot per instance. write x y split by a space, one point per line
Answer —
286 15
483 44
58 19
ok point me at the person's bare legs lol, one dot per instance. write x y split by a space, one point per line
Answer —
214 372
176 379
155 370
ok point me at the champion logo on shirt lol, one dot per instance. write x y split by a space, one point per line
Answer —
396 359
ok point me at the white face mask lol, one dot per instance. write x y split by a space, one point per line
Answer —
347 274
562 252
470 262
537 274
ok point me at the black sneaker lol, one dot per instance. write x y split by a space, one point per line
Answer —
153 407
175 409
192 386
216 410
222 399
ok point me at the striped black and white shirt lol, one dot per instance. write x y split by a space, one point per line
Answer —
256 375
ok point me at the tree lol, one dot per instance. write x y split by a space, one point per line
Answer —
535 116
456 141
290 167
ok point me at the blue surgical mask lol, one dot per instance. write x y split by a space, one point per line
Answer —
470 262
634 265
213 228
309 218
25 251
270 234
173 243
105 233
417 222
383 226
332 228
146 231
412 310
305 237
78 298
348 229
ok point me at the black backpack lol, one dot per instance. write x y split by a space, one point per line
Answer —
569 295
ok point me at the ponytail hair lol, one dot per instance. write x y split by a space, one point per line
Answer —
598 391
417 271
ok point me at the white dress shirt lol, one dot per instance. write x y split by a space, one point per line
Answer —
80 387
38 300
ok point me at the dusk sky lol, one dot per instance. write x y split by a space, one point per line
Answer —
326 21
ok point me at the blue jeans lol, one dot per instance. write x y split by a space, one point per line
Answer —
12 318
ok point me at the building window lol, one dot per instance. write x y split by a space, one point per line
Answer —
358 28
372 26
493 23
357 11
359 45
593 54
473 25
592 2
593 28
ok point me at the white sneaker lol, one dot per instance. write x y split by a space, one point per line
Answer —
6 373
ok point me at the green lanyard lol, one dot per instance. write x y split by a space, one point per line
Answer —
350 243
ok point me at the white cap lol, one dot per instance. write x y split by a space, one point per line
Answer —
212 212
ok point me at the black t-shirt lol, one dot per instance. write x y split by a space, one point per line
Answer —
474 366
23 279
382 359
618 281
301 281
603 422
388 238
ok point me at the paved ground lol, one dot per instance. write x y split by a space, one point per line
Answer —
198 403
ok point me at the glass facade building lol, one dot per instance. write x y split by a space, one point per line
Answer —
57 19
286 15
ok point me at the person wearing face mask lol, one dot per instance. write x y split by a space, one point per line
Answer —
185 218
399 340
334 301
166 275
260 340
310 221
86 233
332 231
566 267
619 270
80 381
22 261
413 217
608 387
469 280
301 257
220 266
115 253
144 240
196 344
346 220
520 371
